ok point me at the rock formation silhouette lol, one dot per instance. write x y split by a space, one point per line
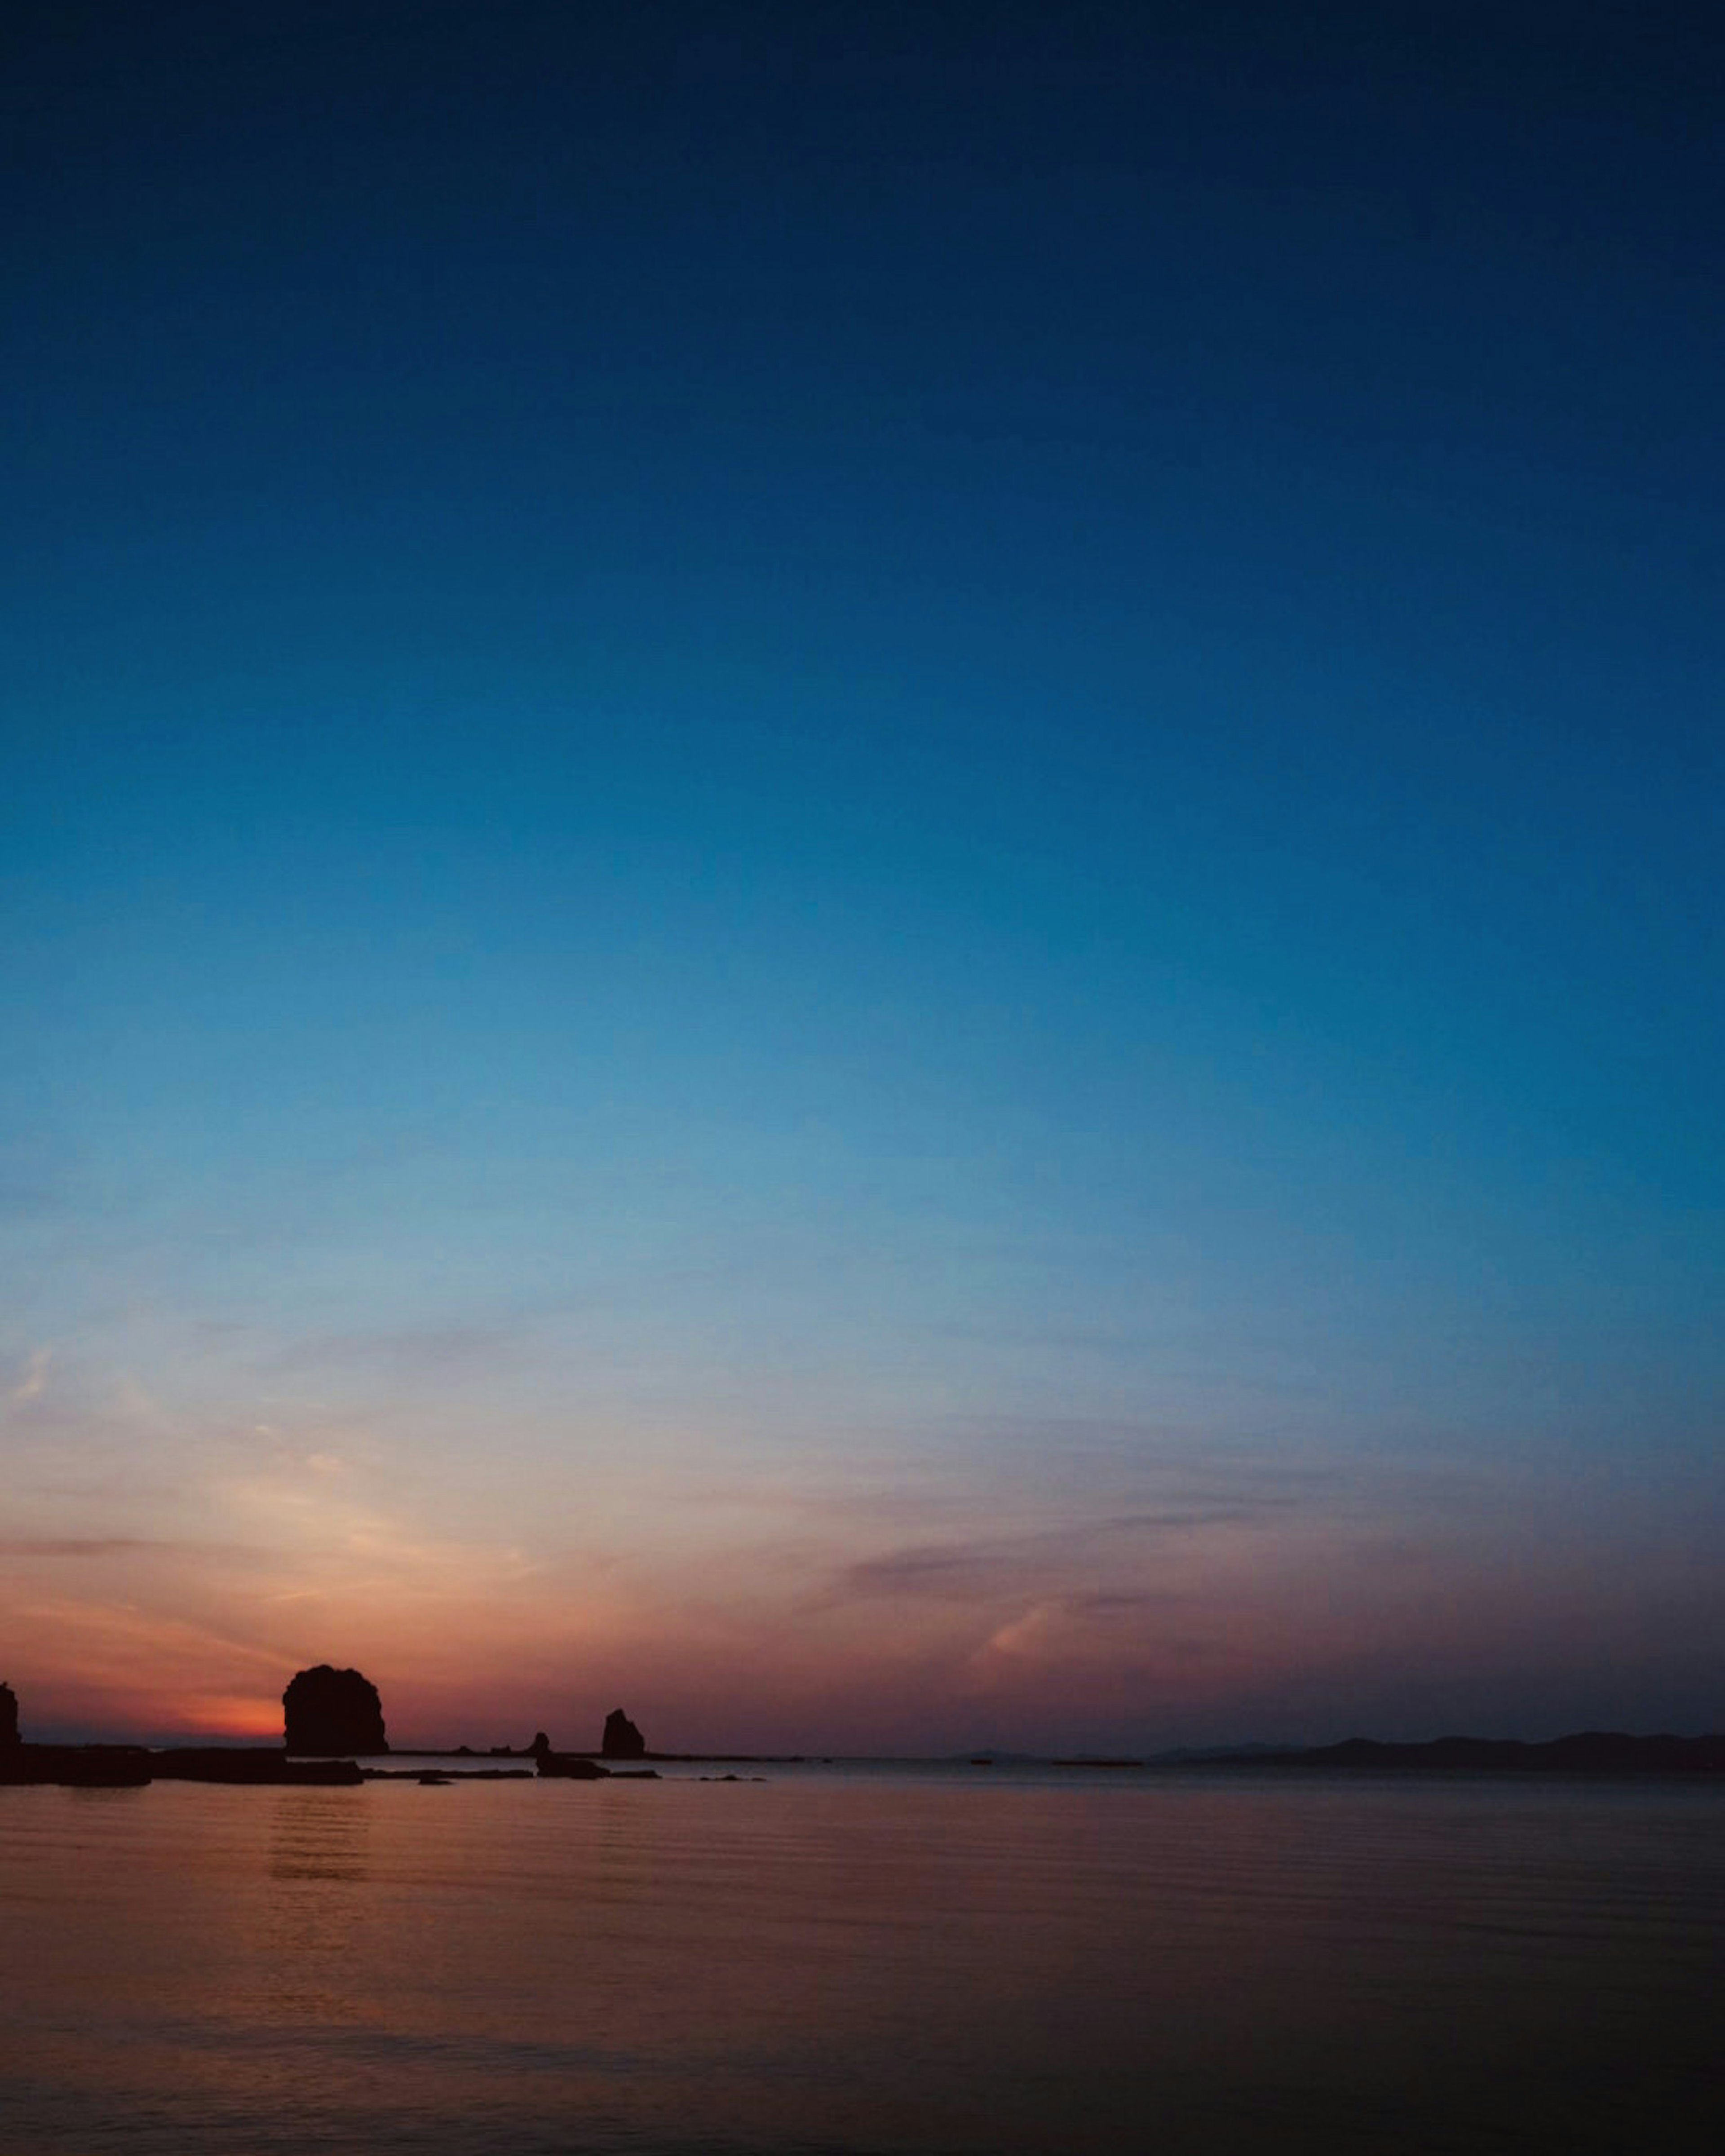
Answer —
540 1744
332 1712
621 1740
8 1715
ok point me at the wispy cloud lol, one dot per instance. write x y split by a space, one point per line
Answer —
957 1572
432 1346
1252 1500
101 1545
22 1546
34 1382
1127 1637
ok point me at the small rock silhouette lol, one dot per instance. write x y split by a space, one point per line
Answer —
333 1712
621 1740
8 1715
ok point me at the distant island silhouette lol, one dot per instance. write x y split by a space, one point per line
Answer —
1588 1751
332 1718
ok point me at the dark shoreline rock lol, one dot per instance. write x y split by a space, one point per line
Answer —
133 1767
253 1766
463 1774
76 1766
570 1767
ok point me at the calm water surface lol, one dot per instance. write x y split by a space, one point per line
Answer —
845 1961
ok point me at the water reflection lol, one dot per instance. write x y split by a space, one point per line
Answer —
319 1867
319 1834
881 1966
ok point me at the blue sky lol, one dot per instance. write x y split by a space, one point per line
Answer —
867 854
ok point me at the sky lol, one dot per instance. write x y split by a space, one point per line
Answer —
860 869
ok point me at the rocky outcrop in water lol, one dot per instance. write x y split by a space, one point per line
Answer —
331 1713
621 1740
77 1766
9 1715
131 1766
570 1767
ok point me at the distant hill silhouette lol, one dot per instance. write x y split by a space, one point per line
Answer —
1593 1751
330 1713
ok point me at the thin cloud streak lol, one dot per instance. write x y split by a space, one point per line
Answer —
104 1546
430 1346
982 1569
34 1382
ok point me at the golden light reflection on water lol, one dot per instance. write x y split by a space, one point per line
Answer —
851 1964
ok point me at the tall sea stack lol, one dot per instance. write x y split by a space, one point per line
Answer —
621 1740
332 1714
8 1715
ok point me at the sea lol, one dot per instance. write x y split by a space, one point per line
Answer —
826 1960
